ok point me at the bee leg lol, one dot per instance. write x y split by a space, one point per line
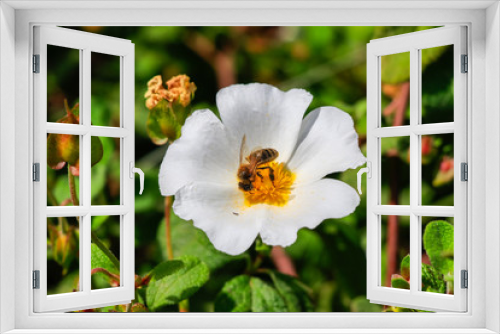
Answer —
271 173
260 175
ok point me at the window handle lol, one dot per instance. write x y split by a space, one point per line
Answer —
141 176
368 171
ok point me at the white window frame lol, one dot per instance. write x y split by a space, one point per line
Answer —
413 43
84 43
483 21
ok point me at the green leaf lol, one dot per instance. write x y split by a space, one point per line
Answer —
399 282
100 260
174 281
361 304
235 296
96 150
405 267
438 244
432 281
244 293
395 68
430 55
293 292
265 298
189 240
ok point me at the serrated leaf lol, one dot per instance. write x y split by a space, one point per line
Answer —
235 296
174 281
399 282
438 244
293 292
265 298
100 260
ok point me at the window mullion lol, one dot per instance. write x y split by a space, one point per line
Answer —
85 177
415 175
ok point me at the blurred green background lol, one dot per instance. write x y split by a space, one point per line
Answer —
330 63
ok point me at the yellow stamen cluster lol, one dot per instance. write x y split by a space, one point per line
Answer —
266 191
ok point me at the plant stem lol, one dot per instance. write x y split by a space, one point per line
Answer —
283 262
256 264
104 249
399 105
184 305
168 235
72 188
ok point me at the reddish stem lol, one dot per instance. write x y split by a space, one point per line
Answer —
282 261
222 60
398 105
107 273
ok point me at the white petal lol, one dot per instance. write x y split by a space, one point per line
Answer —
219 211
269 117
327 144
202 153
312 204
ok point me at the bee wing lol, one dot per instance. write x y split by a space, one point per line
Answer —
243 147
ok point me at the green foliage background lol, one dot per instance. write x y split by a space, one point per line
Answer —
329 62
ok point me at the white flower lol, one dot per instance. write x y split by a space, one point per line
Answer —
200 168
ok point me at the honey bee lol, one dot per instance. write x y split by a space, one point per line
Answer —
248 171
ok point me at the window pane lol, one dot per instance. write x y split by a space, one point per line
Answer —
437 254
437 169
395 76
63 247
395 171
395 251
63 169
105 171
105 248
63 84
105 99
437 84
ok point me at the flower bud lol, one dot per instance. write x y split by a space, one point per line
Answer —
64 246
445 173
168 107
63 148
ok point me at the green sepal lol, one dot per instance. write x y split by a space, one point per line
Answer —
162 124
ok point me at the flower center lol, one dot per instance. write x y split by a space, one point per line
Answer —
272 185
